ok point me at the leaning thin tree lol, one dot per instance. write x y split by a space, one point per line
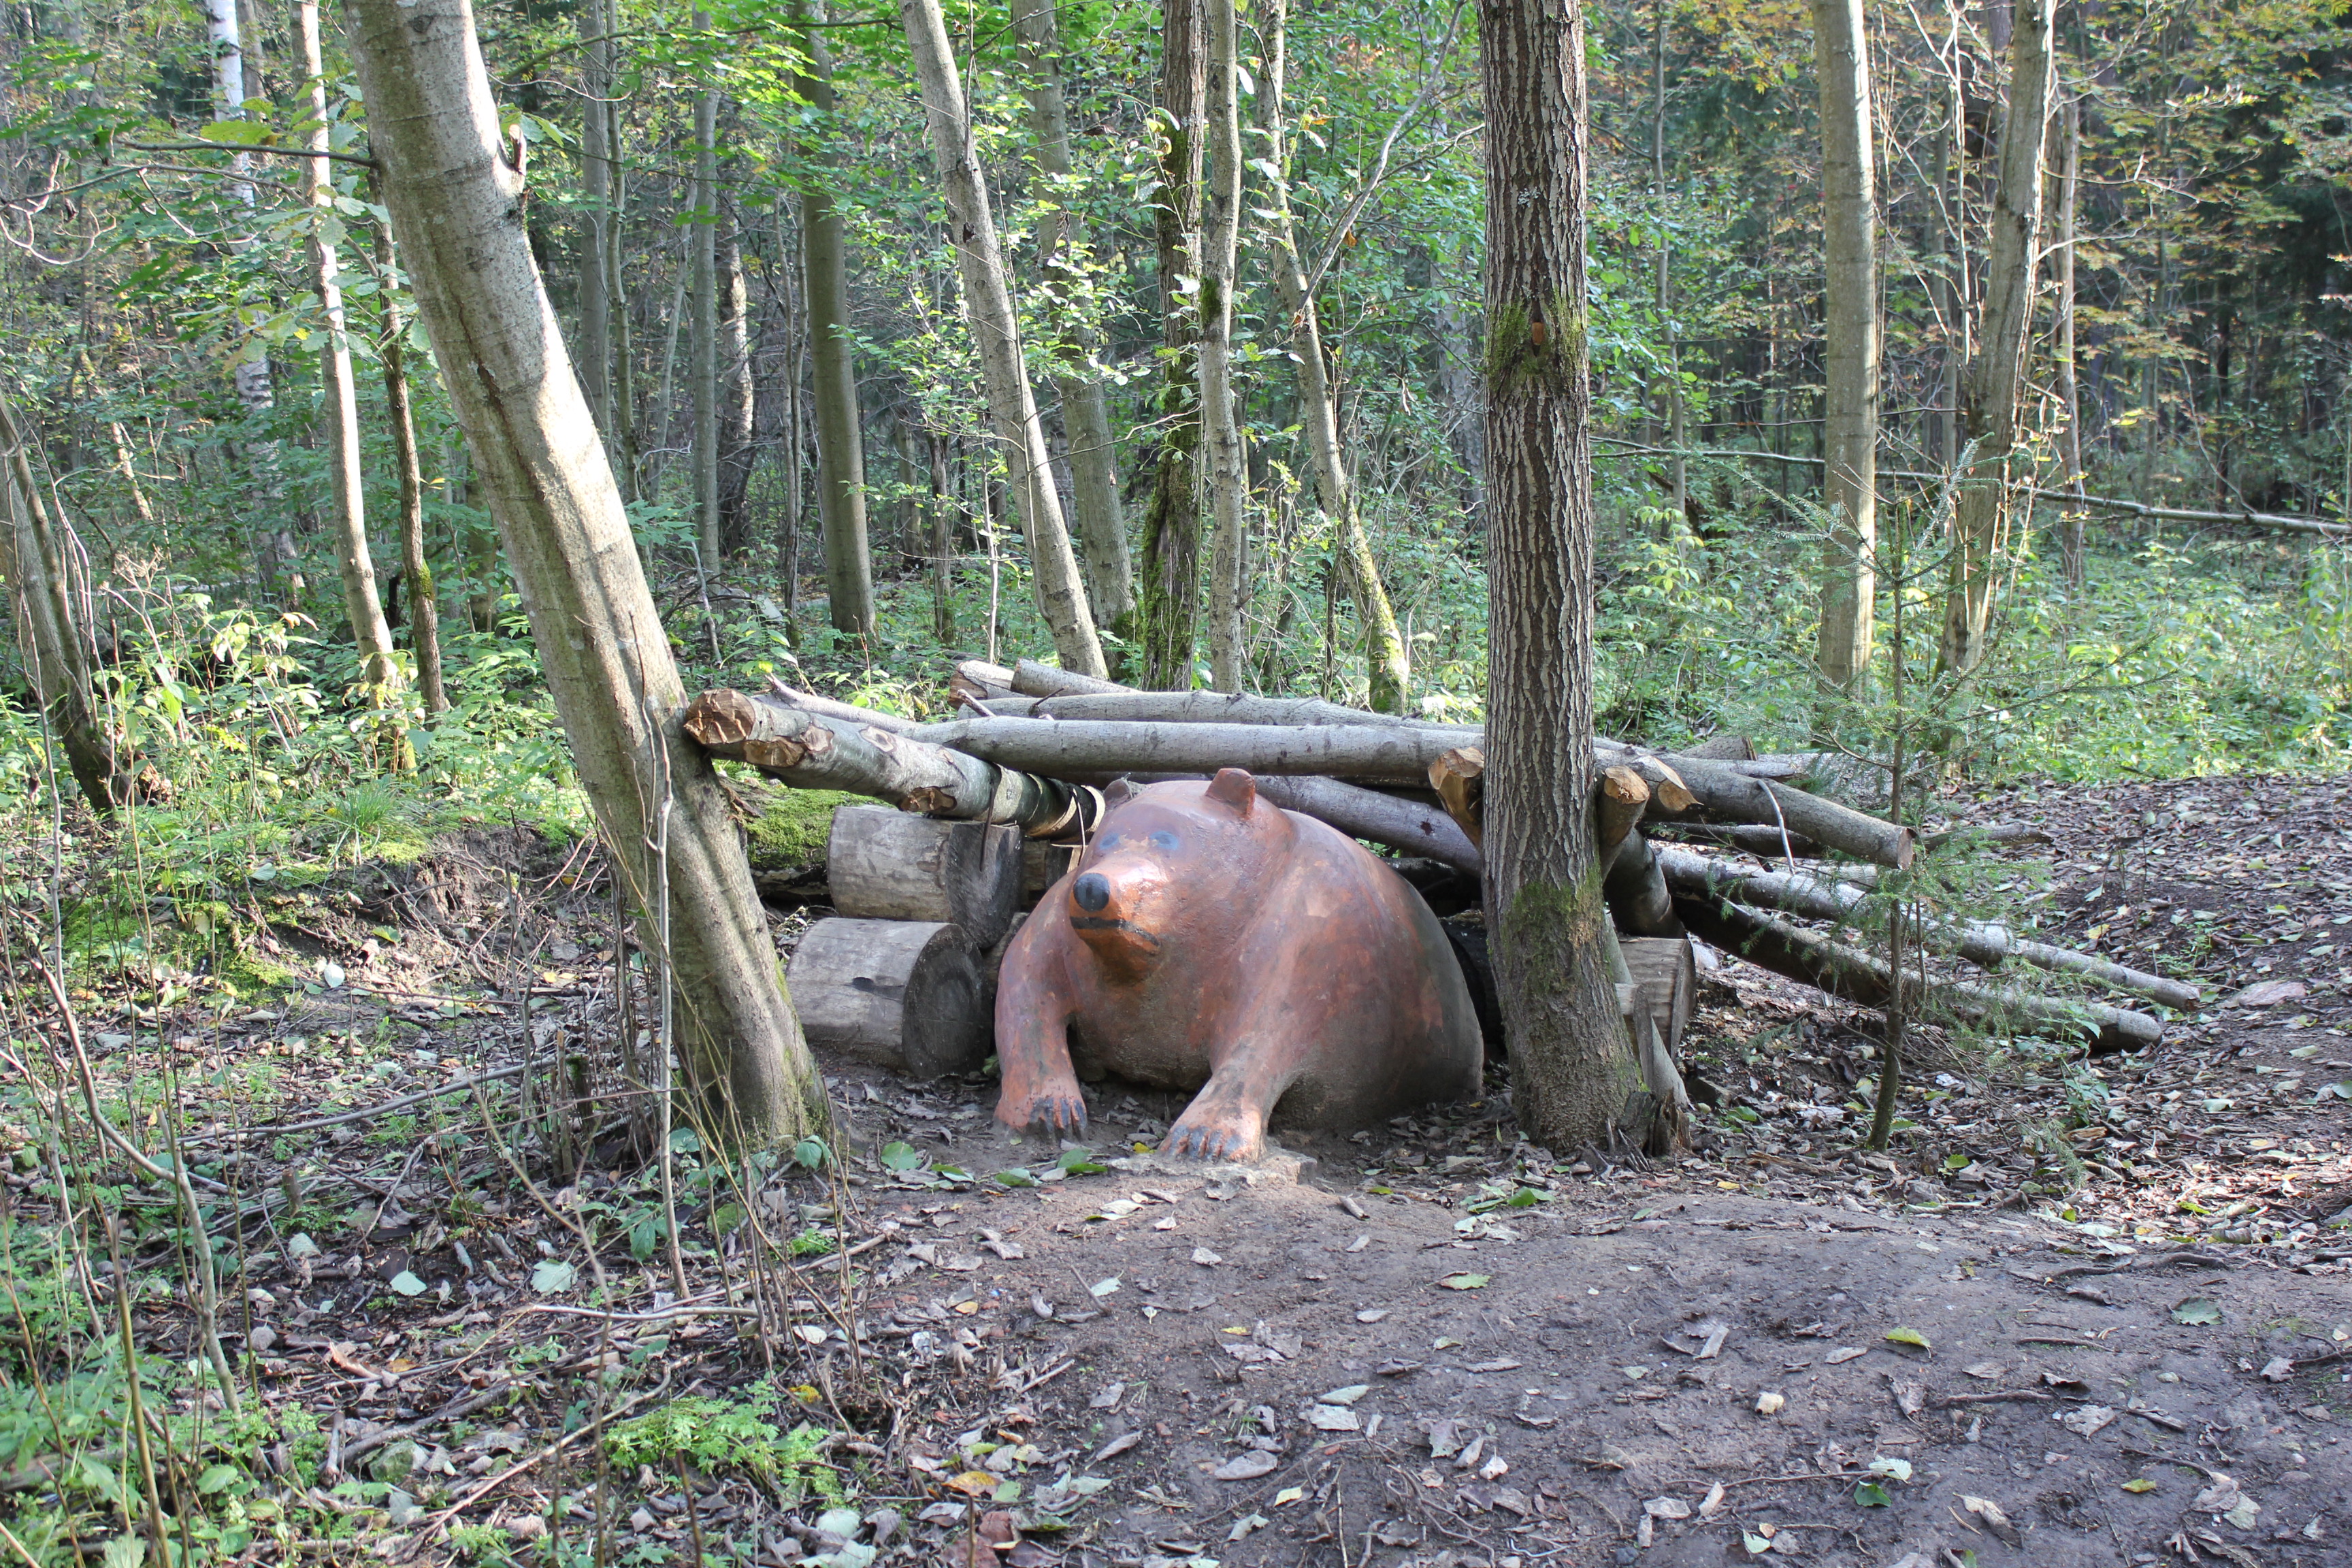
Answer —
1572 1066
454 198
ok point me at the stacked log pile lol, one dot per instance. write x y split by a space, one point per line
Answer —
1682 835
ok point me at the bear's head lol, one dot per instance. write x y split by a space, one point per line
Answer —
1174 865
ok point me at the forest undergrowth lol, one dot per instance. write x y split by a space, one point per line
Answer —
282 956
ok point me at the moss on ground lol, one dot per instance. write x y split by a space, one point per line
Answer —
788 828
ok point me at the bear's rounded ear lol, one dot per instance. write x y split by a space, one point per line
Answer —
1119 791
1236 788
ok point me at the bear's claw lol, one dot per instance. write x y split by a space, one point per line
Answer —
1209 1140
1056 1111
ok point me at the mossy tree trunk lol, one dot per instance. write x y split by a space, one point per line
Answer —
1168 604
1572 1066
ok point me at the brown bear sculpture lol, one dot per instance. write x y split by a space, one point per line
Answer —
1210 940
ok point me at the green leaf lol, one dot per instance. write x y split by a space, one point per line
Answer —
1757 1544
1014 1178
1078 1160
900 1157
1957 1162
125 1551
1465 1281
2139 1484
811 1153
1525 1198
553 1276
407 1283
236 133
2197 1309
1903 1336
684 1141
1870 1494
217 1477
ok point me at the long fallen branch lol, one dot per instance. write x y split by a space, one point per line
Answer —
1860 977
1347 750
1981 942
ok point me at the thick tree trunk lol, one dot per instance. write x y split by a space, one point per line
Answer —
362 604
424 599
1996 378
988 304
1850 315
1062 747
1086 408
1387 669
1677 468
454 199
702 347
1228 480
50 638
2075 518
1572 1066
840 449
1169 596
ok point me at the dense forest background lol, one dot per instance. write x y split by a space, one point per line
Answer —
170 356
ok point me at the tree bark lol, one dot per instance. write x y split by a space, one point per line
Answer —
454 198
1168 604
424 599
1086 406
1228 481
988 304
51 637
1388 668
1850 316
840 449
1573 1069
1996 377
598 139
2073 519
1677 468
1379 753
363 607
739 409
273 544
702 349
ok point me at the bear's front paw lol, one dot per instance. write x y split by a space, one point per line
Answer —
1215 1134
1059 1107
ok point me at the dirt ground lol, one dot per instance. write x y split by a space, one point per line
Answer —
2086 1312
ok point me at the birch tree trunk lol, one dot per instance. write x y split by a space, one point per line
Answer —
49 635
702 345
1388 669
988 305
1168 605
737 399
424 599
2074 522
454 198
1572 1066
273 545
840 443
361 604
1228 483
1996 375
1086 408
1850 315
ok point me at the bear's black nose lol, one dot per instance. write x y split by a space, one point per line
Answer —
1092 892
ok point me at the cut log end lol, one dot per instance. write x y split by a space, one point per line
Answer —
720 719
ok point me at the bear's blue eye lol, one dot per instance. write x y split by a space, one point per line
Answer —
1163 840
1107 843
